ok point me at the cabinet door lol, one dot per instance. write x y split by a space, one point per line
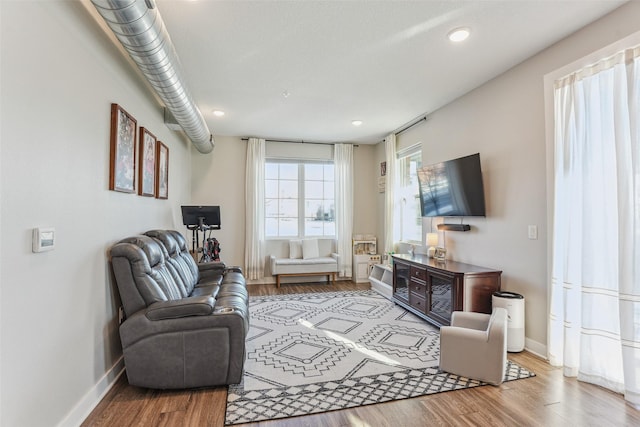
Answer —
401 279
478 290
362 270
441 290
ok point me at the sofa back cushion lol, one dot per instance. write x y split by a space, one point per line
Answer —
142 275
178 257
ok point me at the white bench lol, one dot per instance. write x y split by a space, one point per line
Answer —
305 267
307 257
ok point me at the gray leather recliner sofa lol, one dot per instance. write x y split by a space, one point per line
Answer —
185 323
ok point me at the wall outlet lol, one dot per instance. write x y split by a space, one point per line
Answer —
120 315
533 232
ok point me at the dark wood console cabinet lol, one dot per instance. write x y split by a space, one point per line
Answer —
433 289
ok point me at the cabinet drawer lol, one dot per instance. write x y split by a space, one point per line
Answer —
417 302
418 288
419 273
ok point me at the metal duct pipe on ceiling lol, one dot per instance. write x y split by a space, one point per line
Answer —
139 27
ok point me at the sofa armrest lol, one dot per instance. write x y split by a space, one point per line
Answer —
335 256
234 269
470 320
272 259
212 266
191 306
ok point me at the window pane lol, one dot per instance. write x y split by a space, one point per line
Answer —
271 227
313 189
288 171
313 210
288 190
408 190
313 228
329 190
271 207
286 201
329 172
329 210
288 227
313 171
271 171
329 228
289 208
271 188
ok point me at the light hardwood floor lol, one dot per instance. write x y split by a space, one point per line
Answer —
549 399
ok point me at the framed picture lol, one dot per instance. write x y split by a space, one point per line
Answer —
122 170
162 171
383 169
147 167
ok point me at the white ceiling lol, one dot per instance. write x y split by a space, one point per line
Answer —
382 62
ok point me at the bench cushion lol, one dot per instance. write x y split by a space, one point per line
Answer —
303 266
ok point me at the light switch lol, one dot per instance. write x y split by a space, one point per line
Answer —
533 232
43 239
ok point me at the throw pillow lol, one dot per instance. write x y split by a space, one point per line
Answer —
310 249
295 249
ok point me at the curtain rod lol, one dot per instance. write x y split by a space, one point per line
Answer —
411 124
289 141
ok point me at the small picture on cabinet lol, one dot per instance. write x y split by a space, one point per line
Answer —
440 254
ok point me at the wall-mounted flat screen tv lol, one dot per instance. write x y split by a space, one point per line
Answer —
452 188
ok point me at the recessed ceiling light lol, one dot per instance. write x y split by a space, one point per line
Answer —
218 113
459 34
356 122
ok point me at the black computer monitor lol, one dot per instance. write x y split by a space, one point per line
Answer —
208 216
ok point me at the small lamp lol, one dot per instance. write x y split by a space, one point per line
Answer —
432 242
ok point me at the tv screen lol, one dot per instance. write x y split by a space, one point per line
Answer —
210 216
452 188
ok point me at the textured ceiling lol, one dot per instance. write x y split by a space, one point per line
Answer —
382 62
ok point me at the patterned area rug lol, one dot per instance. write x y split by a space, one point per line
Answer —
310 353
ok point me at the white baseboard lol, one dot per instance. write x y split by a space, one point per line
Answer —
90 400
536 348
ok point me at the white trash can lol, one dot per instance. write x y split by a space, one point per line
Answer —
514 304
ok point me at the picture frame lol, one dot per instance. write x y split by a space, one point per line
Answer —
162 171
147 164
383 169
122 153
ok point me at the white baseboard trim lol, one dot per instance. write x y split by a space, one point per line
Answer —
90 400
536 348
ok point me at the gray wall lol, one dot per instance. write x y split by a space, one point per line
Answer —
60 348
504 120
220 180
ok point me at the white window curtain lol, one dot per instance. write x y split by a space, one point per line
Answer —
343 166
254 213
594 319
390 204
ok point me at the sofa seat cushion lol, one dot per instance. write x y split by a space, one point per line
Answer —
207 280
209 290
303 266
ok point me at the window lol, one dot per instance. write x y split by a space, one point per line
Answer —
408 191
299 199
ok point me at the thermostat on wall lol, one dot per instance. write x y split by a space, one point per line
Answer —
43 239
